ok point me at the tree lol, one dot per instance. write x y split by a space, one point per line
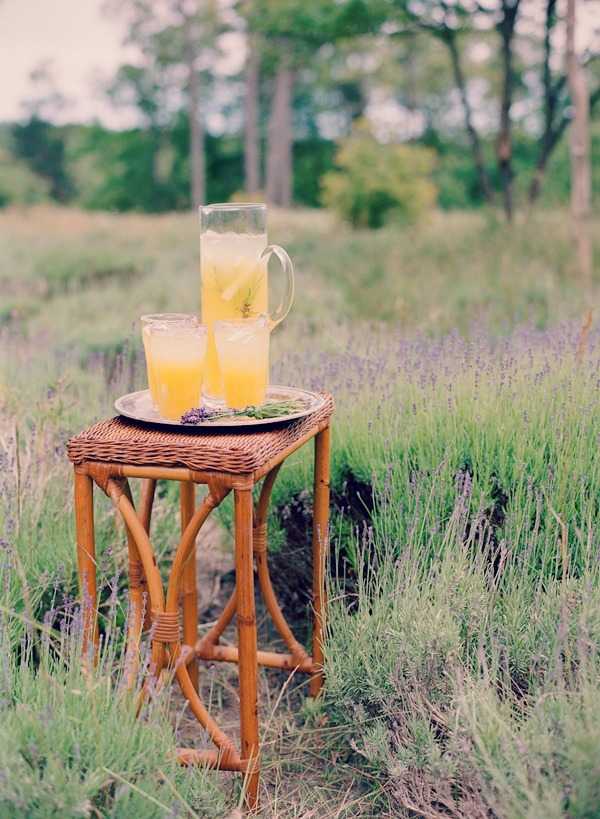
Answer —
19 185
189 12
556 102
450 39
554 116
42 147
144 88
179 42
37 141
280 138
447 22
297 29
252 85
580 151
251 116
451 22
506 30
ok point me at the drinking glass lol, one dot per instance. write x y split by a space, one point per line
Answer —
243 355
234 258
159 318
178 354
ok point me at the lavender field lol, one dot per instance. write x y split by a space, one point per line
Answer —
462 652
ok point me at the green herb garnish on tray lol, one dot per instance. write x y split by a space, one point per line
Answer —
272 409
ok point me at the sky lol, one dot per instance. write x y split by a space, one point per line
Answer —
83 44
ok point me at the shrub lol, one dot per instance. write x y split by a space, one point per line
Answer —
18 184
243 197
375 182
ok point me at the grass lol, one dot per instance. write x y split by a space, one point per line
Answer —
71 745
462 649
61 270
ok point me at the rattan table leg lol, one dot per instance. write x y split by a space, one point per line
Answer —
320 542
136 603
146 554
146 504
189 589
260 546
246 625
86 562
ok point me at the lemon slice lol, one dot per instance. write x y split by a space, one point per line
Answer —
236 285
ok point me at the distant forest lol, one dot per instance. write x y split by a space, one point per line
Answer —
140 169
478 88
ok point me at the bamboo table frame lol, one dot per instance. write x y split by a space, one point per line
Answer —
169 650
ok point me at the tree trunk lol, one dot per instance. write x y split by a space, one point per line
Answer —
553 129
506 29
196 124
580 152
549 142
280 142
476 149
251 137
196 142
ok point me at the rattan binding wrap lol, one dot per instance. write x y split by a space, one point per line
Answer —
119 440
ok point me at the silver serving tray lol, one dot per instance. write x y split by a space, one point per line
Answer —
139 407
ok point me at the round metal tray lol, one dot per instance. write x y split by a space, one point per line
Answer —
139 407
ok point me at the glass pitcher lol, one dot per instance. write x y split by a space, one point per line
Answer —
234 258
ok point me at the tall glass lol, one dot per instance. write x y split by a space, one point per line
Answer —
178 355
234 258
161 319
243 350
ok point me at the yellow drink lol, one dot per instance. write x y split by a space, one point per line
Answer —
244 387
243 350
234 286
178 356
163 320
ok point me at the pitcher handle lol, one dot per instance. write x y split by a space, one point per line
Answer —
283 308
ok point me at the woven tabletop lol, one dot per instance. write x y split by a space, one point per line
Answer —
119 440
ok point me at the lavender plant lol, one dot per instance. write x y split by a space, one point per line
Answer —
462 651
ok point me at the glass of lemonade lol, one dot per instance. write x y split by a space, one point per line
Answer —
177 356
147 321
243 356
234 258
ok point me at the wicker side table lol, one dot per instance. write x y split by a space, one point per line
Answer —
111 452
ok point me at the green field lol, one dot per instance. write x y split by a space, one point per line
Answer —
462 652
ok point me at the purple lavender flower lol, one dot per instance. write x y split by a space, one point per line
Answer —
196 415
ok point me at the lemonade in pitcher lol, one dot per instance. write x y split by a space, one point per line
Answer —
234 275
234 286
